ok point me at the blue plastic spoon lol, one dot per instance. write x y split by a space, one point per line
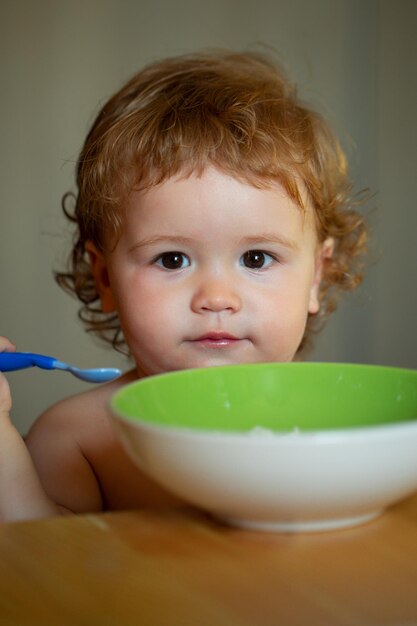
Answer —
10 361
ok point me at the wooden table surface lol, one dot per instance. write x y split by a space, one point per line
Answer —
184 569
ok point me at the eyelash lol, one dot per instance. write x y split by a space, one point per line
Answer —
159 260
177 259
258 253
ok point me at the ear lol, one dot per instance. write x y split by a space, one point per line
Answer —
100 274
325 251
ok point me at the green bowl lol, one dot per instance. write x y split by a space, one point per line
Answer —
295 446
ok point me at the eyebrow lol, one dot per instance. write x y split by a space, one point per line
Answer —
150 241
270 238
260 239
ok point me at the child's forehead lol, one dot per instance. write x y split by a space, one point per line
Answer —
196 199
214 179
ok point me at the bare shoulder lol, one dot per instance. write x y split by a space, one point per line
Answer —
80 460
83 418
62 443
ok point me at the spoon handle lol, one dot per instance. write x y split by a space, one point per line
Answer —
10 361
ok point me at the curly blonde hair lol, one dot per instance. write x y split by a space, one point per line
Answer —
235 111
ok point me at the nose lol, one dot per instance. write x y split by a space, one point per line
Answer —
216 294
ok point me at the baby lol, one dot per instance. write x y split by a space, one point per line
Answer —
213 227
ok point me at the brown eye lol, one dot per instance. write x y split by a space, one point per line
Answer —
173 260
256 259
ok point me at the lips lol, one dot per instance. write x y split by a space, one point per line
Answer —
216 340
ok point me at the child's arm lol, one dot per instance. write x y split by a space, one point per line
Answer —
66 443
21 493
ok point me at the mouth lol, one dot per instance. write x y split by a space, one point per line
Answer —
216 340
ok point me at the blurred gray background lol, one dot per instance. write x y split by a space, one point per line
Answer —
60 60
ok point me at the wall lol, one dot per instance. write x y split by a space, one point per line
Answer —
60 60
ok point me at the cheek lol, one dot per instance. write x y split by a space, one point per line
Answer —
147 312
289 294
139 309
283 309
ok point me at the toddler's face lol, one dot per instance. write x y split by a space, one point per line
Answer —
212 271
